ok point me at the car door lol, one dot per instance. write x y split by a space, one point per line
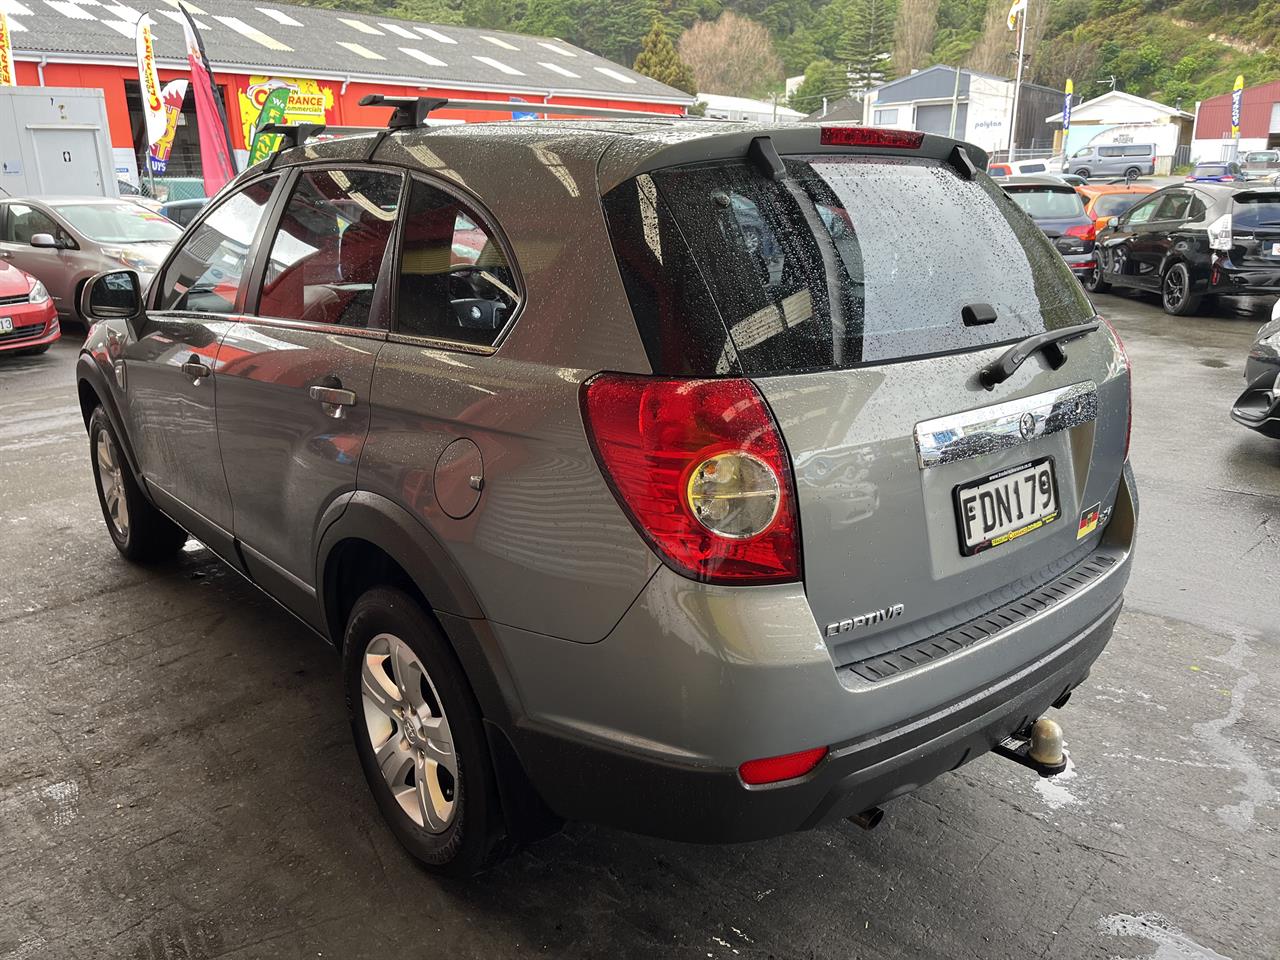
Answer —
23 220
1116 247
171 367
1153 242
293 387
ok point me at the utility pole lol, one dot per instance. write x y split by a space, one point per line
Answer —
1017 83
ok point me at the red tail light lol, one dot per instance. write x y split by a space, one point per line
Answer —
1190 177
1084 232
700 468
1226 179
775 769
871 137
1128 367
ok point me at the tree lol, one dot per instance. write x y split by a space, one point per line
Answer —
822 80
731 55
658 59
914 31
866 44
613 28
997 48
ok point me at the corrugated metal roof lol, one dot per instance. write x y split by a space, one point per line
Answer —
1213 118
244 35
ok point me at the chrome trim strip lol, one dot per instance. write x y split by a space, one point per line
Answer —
976 433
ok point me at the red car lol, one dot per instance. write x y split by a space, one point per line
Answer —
28 318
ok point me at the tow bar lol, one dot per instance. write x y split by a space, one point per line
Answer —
1038 747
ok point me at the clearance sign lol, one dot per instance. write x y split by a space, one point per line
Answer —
153 107
309 102
8 75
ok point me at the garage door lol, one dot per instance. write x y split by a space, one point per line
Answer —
936 118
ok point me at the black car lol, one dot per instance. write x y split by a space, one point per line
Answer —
1258 408
1059 211
1193 241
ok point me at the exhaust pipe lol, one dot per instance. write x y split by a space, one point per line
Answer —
867 819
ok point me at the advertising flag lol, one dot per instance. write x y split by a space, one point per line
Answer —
8 73
217 159
174 92
1237 95
152 104
1019 6
273 110
1066 107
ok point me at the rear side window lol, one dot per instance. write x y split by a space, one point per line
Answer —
455 280
1137 150
25 222
849 260
328 247
1254 211
1111 151
204 275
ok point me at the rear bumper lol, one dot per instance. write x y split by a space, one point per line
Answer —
1258 408
1226 277
589 781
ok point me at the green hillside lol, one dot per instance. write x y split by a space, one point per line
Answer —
1167 49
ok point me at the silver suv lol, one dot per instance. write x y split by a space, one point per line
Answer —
707 480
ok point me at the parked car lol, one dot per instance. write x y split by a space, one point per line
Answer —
628 516
1225 172
66 240
182 212
1103 201
141 196
1261 165
1193 241
1258 408
1128 160
28 319
1059 211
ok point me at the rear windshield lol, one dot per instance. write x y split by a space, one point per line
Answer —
1210 169
848 260
1256 210
1048 203
1114 204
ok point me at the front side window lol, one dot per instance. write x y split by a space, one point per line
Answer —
24 222
1173 206
455 280
1083 153
1143 211
1114 204
328 247
205 274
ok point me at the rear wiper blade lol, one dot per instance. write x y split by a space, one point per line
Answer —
1049 344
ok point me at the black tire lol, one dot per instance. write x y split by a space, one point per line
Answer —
1094 282
1175 292
147 535
1083 172
1133 173
474 839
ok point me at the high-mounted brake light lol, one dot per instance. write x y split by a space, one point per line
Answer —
776 769
700 468
872 137
1128 369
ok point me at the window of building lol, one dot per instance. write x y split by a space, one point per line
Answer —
887 116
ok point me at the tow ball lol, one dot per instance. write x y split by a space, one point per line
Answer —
1038 747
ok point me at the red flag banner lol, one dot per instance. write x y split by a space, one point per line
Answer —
217 160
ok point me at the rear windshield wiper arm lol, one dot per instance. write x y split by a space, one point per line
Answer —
1049 344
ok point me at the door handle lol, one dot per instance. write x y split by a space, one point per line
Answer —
195 369
334 400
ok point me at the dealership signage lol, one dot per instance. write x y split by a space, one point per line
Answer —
308 102
1237 95
8 74
1066 107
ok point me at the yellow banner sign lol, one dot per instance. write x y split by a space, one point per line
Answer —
309 102
8 72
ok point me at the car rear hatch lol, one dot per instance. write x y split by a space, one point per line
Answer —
863 295
1255 228
1059 211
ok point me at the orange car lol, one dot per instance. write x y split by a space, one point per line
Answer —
1102 201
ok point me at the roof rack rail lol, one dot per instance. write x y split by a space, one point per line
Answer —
292 134
411 112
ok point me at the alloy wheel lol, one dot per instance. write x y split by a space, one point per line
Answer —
1175 289
111 484
409 732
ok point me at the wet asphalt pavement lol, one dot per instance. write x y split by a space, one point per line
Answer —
176 777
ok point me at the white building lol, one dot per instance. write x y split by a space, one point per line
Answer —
977 106
1118 117
721 107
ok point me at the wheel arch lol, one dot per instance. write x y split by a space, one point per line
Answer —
93 391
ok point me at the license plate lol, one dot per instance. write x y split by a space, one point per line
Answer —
1003 507
6 324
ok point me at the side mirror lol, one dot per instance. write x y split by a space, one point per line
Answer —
112 296
44 240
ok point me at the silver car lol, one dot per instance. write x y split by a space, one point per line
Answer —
708 480
64 241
